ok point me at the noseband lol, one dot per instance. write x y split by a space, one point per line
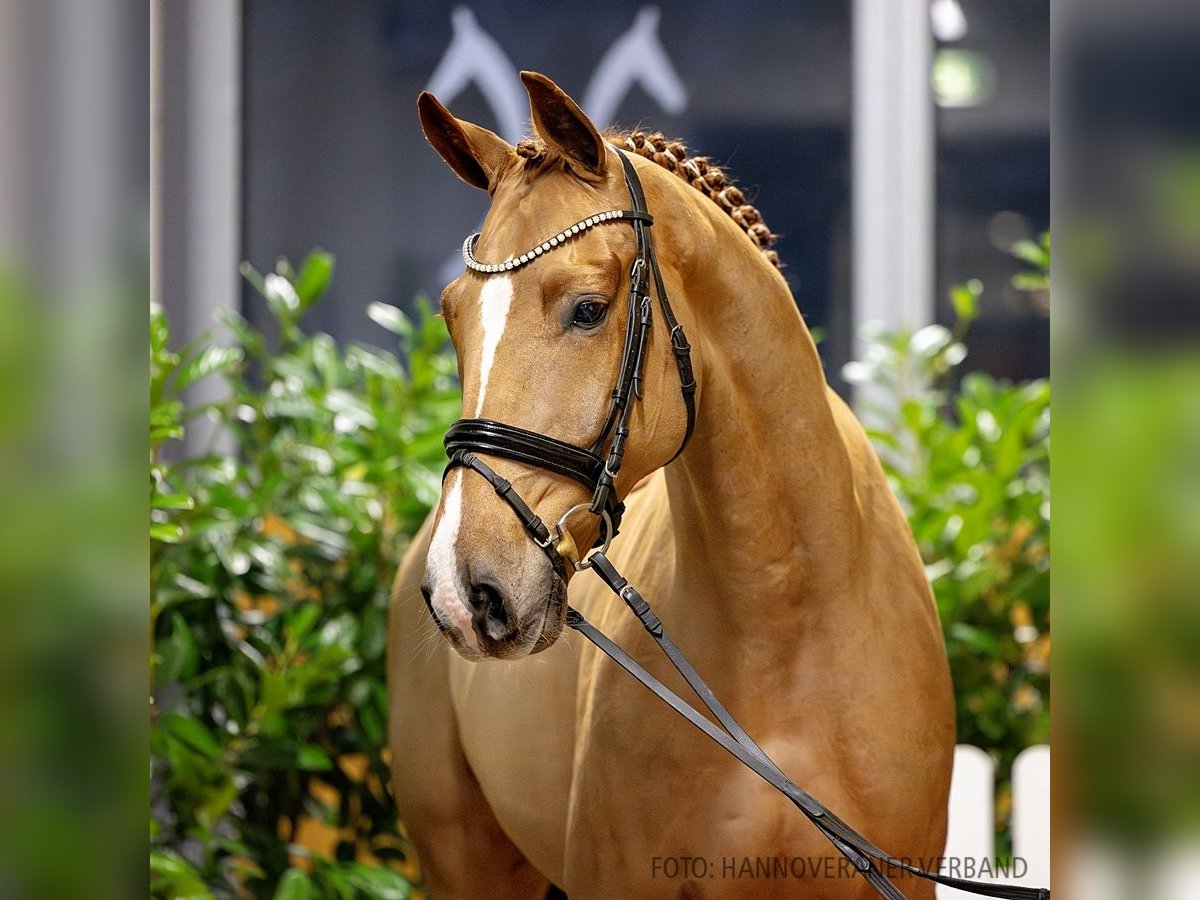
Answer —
468 437
593 467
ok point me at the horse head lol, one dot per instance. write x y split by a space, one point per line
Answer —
540 325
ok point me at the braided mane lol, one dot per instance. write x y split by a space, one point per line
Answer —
706 177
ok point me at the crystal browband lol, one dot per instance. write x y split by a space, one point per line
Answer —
613 215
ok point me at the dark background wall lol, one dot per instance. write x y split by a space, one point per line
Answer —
333 155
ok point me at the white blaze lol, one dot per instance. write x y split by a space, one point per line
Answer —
447 601
494 302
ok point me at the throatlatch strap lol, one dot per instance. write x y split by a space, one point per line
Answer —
737 742
680 347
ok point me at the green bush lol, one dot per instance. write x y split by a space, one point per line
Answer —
270 572
972 470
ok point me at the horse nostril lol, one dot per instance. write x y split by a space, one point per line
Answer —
491 614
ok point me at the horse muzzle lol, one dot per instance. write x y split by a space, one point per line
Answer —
485 619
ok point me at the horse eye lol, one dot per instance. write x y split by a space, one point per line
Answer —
588 314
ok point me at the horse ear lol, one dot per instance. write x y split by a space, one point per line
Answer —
475 154
562 124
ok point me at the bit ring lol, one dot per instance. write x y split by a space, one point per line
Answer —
566 544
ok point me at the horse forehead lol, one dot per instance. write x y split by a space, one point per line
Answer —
532 208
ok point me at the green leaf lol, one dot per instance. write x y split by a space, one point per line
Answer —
327 361
173 501
179 653
378 883
166 532
250 340
965 299
976 638
253 276
192 586
300 623
281 297
216 805
315 274
209 361
192 732
173 877
1030 282
390 317
296 885
312 758
167 433
929 341
1032 253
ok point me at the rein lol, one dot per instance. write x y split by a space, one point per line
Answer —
467 438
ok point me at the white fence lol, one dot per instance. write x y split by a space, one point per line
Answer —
970 844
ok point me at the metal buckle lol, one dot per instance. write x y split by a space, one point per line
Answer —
566 545
679 344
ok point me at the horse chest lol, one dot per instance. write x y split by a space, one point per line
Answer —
516 727
519 722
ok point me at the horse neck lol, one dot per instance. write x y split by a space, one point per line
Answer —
763 498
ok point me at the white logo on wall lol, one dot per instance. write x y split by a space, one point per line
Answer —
636 57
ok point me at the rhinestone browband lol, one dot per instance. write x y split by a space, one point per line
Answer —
468 250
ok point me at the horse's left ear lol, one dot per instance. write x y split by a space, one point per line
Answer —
562 124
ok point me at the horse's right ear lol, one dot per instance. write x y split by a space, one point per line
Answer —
475 154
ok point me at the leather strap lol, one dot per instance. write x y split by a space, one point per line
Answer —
680 347
533 524
587 466
510 442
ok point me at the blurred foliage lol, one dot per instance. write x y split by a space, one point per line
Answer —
72 575
271 565
972 471
1036 256
1129 580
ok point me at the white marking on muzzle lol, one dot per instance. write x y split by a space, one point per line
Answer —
494 302
447 600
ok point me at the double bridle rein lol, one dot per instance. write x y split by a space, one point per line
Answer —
597 470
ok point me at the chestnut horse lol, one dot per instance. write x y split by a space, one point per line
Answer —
772 548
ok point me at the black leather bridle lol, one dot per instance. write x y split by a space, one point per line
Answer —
468 437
